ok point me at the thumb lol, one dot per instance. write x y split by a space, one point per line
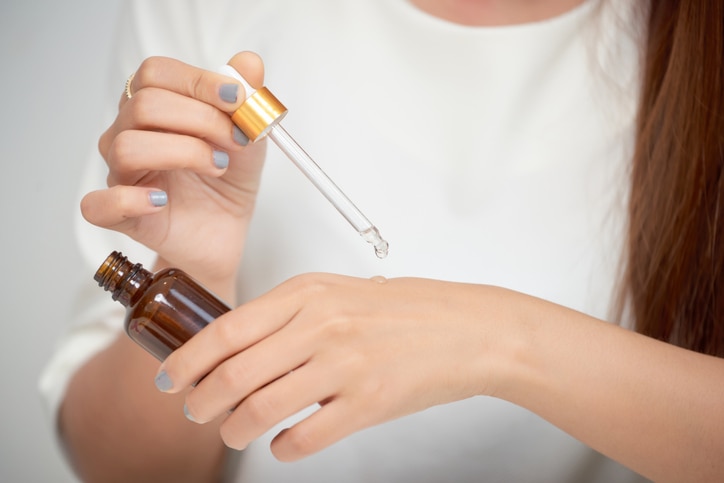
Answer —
250 66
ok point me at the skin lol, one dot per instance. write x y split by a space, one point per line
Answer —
491 13
382 348
371 352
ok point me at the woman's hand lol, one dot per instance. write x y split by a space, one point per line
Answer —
367 351
181 179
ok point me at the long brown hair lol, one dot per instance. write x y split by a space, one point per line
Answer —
674 276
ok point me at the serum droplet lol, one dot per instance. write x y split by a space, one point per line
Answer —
381 249
372 235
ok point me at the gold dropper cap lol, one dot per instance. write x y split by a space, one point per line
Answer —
258 114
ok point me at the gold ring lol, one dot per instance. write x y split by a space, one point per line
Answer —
128 85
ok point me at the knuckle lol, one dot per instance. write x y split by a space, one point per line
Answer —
333 321
338 325
104 143
122 200
202 85
229 374
373 389
148 71
338 330
227 333
209 116
259 409
196 86
120 150
310 284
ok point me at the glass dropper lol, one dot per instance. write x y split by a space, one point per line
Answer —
260 116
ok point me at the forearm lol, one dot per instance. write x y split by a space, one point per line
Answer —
118 426
649 405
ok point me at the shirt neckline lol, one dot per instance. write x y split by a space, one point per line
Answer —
571 17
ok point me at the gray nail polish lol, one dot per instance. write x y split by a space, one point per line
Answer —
240 137
188 416
228 92
158 198
221 159
163 382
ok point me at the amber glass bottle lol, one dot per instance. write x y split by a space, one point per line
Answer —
164 309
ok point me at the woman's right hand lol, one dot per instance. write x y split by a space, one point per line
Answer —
182 179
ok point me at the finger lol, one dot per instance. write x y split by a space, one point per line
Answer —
119 206
237 377
250 66
222 92
234 332
247 371
133 153
332 422
161 110
274 403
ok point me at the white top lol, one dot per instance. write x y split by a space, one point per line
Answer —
485 155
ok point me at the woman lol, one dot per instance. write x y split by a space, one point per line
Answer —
511 129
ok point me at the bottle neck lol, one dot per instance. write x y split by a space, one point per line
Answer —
125 280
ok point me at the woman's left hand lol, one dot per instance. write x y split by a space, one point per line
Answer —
366 350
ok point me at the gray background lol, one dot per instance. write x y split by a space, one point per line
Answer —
54 69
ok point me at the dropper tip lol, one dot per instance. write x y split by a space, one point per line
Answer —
381 249
372 235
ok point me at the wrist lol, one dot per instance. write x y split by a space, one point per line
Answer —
544 348
514 346
222 285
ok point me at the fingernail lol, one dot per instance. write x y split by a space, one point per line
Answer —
188 416
240 137
158 198
163 382
229 92
221 159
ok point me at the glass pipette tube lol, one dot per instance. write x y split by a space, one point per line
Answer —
259 116
330 190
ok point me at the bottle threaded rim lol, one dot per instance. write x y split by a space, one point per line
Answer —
114 275
107 273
